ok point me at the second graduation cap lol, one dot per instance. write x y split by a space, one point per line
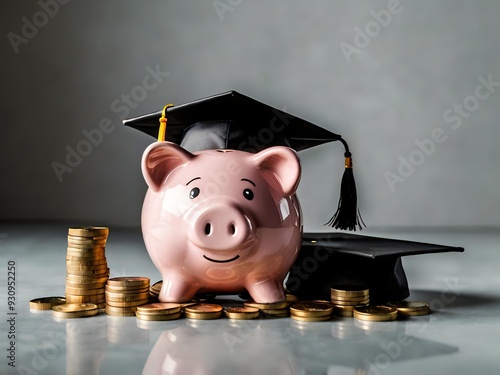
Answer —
329 260
234 121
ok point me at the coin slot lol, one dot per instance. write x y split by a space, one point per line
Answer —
232 229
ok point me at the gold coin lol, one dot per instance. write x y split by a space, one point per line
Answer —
241 313
375 313
110 312
267 306
347 303
156 287
187 304
74 310
291 298
87 240
93 298
159 308
410 308
104 272
284 311
86 285
85 257
86 263
129 281
126 289
46 303
86 244
85 279
76 238
83 251
127 303
310 309
349 291
131 309
345 311
202 315
86 267
117 297
89 231
204 308
310 318
336 298
157 317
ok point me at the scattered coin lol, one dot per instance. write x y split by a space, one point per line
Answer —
129 281
241 313
46 303
267 306
410 308
375 313
157 317
74 310
203 311
159 308
309 309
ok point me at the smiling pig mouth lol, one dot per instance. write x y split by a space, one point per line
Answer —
221 261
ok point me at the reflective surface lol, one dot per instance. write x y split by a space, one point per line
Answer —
461 336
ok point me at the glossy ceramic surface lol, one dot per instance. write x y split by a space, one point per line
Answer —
221 220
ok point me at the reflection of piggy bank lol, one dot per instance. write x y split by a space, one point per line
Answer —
221 221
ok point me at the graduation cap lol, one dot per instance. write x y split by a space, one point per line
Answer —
328 260
234 121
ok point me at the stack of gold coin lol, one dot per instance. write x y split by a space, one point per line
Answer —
158 311
375 313
346 297
274 310
241 313
310 311
86 266
410 308
203 311
124 294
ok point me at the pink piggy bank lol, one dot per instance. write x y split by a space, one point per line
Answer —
221 221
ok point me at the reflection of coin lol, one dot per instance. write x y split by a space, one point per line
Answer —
267 306
74 310
46 303
410 308
159 308
129 281
241 313
157 317
375 313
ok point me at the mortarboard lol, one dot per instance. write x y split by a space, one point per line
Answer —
234 121
327 260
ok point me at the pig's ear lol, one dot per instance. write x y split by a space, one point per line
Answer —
160 159
283 164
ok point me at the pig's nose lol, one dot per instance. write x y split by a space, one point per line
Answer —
221 227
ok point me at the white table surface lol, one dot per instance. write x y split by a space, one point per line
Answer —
461 336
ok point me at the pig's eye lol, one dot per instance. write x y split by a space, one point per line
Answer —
248 194
194 193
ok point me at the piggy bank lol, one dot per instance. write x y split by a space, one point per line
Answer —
221 221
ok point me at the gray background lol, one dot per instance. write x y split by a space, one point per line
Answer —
285 53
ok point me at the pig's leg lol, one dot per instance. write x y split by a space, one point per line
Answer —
177 290
267 291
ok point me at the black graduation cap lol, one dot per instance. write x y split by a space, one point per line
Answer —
234 121
329 260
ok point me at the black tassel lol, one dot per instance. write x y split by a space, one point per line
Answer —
347 215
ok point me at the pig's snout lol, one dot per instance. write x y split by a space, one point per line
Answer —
221 227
